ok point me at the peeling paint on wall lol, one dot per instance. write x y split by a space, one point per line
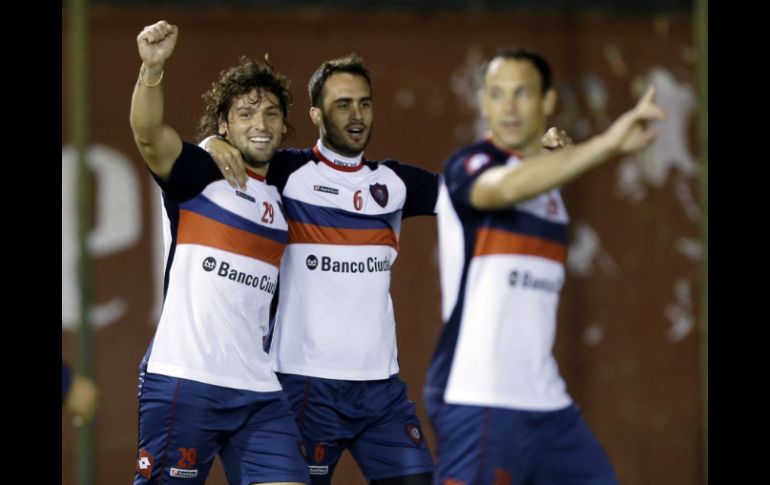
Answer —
593 334
596 97
680 313
670 151
586 250
465 83
689 247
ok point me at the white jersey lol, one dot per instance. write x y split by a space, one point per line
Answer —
223 252
501 275
335 315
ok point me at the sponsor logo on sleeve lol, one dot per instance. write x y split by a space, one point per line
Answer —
246 196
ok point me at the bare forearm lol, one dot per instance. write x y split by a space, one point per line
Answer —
158 143
147 105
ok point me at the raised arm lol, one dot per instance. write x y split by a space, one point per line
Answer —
501 187
158 143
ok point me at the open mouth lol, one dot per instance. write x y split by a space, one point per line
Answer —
356 132
260 141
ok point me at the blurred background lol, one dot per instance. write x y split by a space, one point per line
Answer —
632 336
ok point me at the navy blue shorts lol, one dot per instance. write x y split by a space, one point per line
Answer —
184 424
484 445
373 419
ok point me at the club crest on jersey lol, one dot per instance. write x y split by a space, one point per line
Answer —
414 434
379 193
476 162
144 463
319 453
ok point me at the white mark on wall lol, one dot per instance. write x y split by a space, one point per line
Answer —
570 115
596 97
466 81
615 60
593 334
680 314
117 225
687 202
652 166
691 248
630 182
583 250
586 251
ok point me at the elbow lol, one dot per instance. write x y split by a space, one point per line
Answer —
512 195
143 137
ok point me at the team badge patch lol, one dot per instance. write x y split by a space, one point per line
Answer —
144 463
189 458
414 434
502 477
379 193
319 453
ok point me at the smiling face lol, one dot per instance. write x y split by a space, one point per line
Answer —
514 104
255 125
346 116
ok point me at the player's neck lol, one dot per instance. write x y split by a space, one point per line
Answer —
336 159
259 171
520 152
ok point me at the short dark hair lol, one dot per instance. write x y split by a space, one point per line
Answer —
239 80
352 64
524 54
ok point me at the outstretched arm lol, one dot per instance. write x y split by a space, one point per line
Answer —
158 143
503 186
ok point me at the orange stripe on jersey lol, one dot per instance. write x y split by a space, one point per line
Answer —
312 234
495 241
197 229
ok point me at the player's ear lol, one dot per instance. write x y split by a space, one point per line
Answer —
315 116
549 101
